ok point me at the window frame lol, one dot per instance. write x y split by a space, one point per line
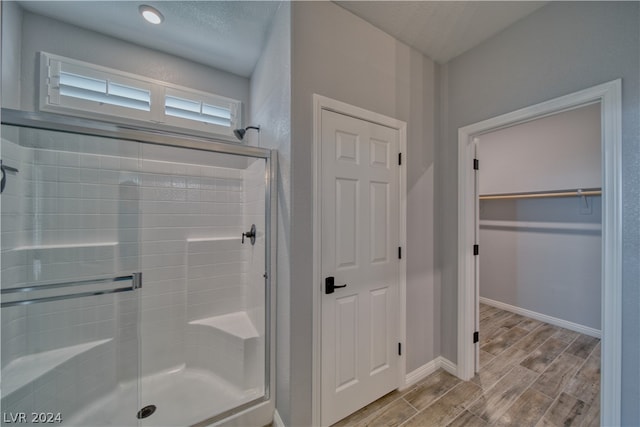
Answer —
51 100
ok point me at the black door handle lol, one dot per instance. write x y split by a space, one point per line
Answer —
5 168
329 285
251 234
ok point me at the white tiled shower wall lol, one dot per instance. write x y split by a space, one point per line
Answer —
83 206
193 261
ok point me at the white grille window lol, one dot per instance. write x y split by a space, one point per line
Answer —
104 91
211 111
197 110
81 89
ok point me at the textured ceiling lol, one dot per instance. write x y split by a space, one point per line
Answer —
229 35
441 30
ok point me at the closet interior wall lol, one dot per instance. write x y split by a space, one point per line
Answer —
543 254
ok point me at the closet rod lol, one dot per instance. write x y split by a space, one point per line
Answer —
563 193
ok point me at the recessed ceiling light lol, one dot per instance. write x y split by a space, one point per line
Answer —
151 14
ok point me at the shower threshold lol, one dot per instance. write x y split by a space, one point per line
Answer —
182 397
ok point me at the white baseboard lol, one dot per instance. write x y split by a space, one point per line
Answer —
422 372
543 318
277 421
427 369
448 366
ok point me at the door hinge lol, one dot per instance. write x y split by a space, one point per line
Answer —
399 252
399 349
476 164
476 337
399 159
476 249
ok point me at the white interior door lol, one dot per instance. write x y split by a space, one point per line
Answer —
360 236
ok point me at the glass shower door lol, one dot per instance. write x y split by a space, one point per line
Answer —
69 279
203 327
135 277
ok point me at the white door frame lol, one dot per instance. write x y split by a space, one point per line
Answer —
609 95
323 103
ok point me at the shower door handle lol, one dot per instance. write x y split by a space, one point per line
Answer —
330 286
135 278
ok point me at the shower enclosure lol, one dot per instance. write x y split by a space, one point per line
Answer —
137 276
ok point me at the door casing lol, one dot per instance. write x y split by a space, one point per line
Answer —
609 95
323 103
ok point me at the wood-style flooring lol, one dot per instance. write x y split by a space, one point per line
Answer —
531 374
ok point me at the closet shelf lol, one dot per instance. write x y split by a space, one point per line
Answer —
538 195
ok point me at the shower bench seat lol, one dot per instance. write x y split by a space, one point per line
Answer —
235 324
228 345
27 370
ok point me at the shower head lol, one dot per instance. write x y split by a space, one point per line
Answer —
239 133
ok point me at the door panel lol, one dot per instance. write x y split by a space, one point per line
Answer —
347 147
346 244
360 229
379 231
379 334
346 340
379 153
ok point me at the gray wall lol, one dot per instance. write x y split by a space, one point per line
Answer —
559 49
271 109
543 255
44 34
340 56
11 46
557 152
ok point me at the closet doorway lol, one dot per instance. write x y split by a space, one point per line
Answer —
606 98
540 221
